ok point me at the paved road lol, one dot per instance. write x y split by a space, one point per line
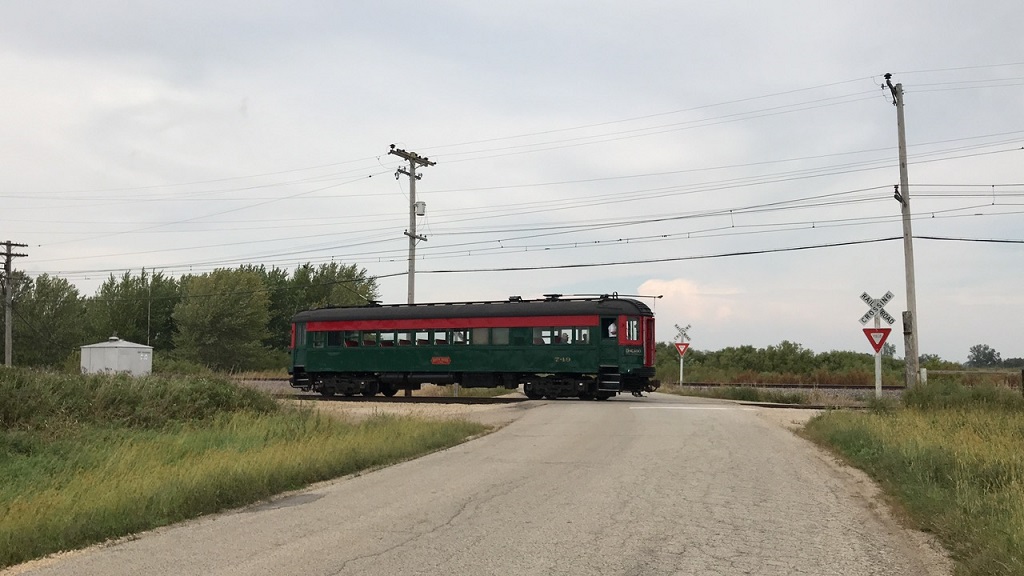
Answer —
658 485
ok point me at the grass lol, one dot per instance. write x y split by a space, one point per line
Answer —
86 459
951 457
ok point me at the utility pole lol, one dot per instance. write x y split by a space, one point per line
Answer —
902 195
9 295
414 206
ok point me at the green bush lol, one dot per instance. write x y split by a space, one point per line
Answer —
169 363
35 399
948 393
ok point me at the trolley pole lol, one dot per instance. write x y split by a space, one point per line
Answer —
414 160
9 295
902 195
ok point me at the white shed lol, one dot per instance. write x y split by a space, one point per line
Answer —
116 355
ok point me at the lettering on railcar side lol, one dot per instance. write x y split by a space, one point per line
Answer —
441 360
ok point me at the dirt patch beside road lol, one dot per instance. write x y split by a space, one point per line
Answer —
497 414
792 418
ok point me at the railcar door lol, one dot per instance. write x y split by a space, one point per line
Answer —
609 352
649 344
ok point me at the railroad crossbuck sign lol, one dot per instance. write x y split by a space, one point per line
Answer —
876 308
681 347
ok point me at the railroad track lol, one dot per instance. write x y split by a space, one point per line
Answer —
822 387
404 399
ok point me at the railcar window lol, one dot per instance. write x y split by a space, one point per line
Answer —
521 336
319 338
387 338
460 337
581 335
423 339
480 336
405 338
499 336
300 335
334 339
370 338
633 329
608 328
547 335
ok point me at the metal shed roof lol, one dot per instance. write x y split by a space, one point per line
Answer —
115 342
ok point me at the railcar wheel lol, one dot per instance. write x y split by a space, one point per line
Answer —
327 392
388 391
533 395
603 396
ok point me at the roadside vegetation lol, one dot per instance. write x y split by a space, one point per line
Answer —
950 458
784 363
84 459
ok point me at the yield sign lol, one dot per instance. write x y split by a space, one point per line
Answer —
876 336
681 347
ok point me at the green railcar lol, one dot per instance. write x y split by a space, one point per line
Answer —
555 347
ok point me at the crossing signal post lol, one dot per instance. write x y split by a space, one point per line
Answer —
877 335
681 346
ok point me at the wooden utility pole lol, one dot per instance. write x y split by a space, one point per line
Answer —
9 295
911 331
414 160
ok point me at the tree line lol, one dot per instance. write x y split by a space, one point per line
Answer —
240 319
228 319
793 363
984 356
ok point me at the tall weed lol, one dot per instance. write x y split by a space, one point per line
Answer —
952 458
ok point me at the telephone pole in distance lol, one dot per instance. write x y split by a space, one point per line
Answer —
9 295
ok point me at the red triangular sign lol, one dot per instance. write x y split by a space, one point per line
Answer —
877 337
681 347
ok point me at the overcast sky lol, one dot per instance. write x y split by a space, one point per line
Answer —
736 158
